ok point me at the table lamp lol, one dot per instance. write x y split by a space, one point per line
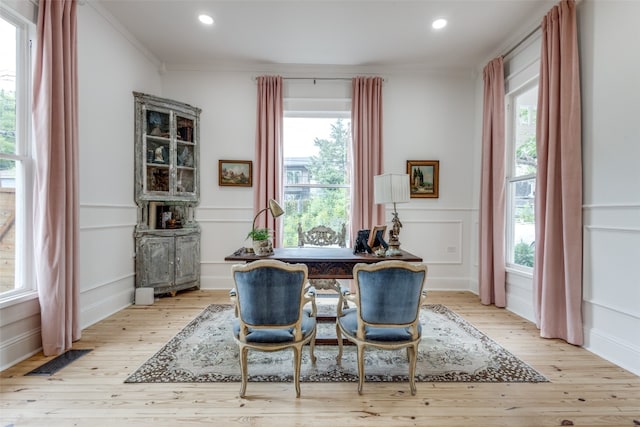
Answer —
392 188
275 209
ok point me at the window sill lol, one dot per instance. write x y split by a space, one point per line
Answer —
519 271
17 297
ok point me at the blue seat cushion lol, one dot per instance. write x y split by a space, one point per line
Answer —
276 335
349 323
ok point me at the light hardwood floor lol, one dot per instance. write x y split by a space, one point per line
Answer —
584 389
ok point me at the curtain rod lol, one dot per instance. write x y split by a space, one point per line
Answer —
318 78
524 39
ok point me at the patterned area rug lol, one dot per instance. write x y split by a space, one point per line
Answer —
451 350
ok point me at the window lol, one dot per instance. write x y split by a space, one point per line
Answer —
521 175
317 173
15 160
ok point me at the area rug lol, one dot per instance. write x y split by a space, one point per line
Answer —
451 350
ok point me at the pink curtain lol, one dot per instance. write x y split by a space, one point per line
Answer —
492 188
55 223
366 129
268 155
558 260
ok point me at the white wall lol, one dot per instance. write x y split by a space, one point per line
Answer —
426 117
610 66
109 68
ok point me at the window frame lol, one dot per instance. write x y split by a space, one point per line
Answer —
310 114
511 179
24 281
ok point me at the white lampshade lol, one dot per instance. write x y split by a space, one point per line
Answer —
391 188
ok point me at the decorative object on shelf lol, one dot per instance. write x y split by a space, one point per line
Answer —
423 176
392 188
262 244
235 173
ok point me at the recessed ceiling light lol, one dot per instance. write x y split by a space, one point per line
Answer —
439 24
206 19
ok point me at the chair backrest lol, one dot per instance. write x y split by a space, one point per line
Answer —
389 292
322 236
270 292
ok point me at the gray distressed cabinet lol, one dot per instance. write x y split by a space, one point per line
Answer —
167 190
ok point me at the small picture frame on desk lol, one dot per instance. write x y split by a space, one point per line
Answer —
376 237
235 173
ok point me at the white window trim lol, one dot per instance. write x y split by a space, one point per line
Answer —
24 149
510 119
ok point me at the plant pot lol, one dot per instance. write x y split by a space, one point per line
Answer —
263 247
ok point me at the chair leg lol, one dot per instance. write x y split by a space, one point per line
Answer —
339 338
412 353
312 347
360 367
243 370
297 350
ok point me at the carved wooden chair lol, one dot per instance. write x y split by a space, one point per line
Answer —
269 297
322 236
387 311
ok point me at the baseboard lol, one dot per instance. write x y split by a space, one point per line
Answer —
625 355
20 348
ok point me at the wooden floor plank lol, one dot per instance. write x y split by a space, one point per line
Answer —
585 390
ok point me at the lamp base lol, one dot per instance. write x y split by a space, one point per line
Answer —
394 247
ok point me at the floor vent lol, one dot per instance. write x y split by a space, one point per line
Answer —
54 365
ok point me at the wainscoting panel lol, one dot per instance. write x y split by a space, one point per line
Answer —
520 295
107 257
439 235
436 241
611 283
20 332
105 299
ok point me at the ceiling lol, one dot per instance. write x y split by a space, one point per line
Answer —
314 32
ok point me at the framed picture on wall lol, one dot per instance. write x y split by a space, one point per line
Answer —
423 178
235 173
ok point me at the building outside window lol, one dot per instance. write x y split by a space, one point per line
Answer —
15 161
521 175
317 173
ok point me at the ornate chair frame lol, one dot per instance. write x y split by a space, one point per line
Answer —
276 319
320 236
396 325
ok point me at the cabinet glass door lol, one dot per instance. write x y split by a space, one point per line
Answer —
185 152
158 151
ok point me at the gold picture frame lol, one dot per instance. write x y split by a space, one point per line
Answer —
235 173
424 181
376 235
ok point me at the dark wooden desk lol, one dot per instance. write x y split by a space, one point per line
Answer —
324 263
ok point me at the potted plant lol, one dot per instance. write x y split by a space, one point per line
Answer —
262 245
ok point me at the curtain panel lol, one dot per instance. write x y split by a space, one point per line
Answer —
558 260
268 155
56 206
491 270
366 130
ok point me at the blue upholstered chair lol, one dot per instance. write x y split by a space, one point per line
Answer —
386 314
269 297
